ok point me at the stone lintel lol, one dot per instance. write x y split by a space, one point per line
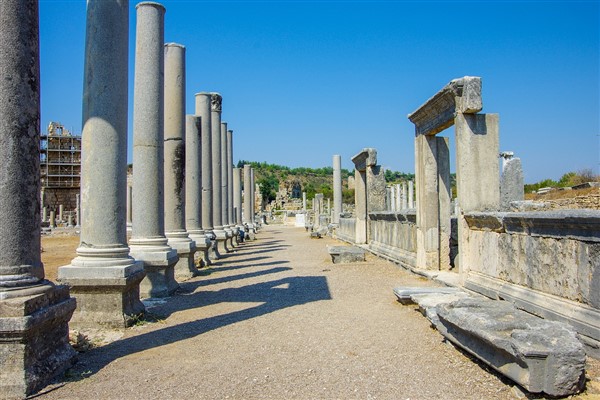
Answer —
366 158
461 95
570 224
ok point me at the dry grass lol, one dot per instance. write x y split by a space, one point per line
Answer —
561 194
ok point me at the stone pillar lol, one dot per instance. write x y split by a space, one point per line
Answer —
44 214
411 194
61 213
304 201
217 202
43 199
477 170
237 199
70 223
34 313
405 203
77 210
129 198
230 204
248 201
224 189
103 277
52 219
175 149
148 241
360 210
511 182
337 188
203 235
253 215
388 198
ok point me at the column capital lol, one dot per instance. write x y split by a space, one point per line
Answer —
216 101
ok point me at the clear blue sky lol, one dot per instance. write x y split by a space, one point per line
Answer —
303 80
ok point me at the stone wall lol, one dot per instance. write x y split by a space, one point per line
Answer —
394 236
346 230
547 263
591 201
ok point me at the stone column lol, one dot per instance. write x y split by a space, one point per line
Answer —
204 235
43 198
77 210
237 199
129 198
34 313
248 201
230 203
61 213
405 203
304 201
44 214
224 189
217 202
411 194
52 219
337 188
253 216
148 241
175 148
103 277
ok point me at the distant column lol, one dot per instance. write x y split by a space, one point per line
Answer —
61 213
405 204
219 232
253 215
148 242
230 203
175 149
203 178
129 200
77 210
337 188
237 198
303 201
411 194
225 189
249 201
103 259
34 323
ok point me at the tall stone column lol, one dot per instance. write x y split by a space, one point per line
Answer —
224 189
237 197
411 194
77 210
253 216
103 277
175 162
199 188
34 313
219 232
304 201
148 241
129 201
248 201
230 202
337 188
404 197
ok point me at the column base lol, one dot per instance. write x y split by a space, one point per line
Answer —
220 240
34 340
185 268
203 244
107 296
229 239
159 264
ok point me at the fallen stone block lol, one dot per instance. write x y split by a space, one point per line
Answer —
346 254
315 235
405 293
428 303
540 355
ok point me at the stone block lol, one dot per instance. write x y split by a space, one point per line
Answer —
35 347
542 356
346 254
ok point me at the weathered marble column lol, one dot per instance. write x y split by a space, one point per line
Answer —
77 210
129 200
225 190
405 204
103 277
44 214
411 194
231 211
237 198
175 162
61 213
203 235
248 201
148 241
218 230
34 313
253 216
337 188
52 219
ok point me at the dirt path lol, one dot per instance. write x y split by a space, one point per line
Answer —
277 320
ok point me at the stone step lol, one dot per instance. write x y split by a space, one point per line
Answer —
346 254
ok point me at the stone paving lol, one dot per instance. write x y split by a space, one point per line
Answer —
277 319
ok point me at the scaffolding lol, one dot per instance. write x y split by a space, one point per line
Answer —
60 158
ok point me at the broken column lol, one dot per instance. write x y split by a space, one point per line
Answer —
148 241
225 190
511 181
217 202
337 188
200 195
34 313
175 149
103 277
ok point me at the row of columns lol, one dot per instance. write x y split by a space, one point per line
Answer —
400 196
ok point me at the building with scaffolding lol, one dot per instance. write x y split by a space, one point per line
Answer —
60 165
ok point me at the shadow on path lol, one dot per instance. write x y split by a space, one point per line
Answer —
275 295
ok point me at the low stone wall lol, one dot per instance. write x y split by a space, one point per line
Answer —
346 230
547 263
324 221
393 235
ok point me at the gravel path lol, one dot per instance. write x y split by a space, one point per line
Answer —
277 320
